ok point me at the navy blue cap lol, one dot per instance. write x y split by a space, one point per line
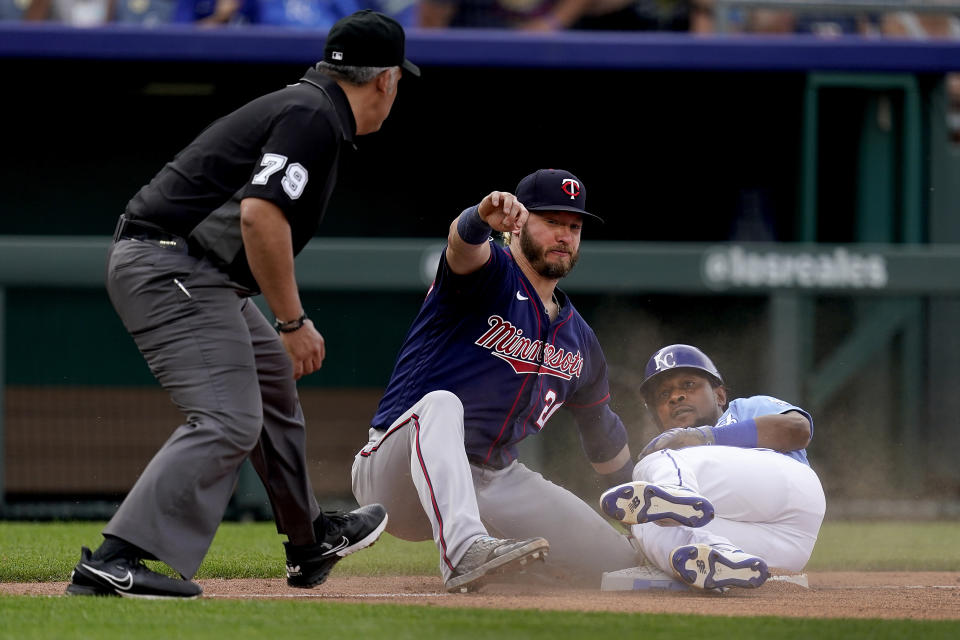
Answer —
367 39
553 190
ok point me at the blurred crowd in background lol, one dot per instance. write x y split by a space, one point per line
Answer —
825 18
697 16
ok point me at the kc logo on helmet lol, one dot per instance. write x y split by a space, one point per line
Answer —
665 360
570 187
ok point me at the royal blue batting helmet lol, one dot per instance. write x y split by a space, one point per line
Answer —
678 356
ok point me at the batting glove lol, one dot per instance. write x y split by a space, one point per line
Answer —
679 438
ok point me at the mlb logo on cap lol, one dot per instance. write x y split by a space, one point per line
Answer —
368 39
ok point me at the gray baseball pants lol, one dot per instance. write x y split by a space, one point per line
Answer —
419 471
226 369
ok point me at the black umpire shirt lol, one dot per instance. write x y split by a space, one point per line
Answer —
282 147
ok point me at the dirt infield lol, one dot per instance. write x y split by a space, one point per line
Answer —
913 595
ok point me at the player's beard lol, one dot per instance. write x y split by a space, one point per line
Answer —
536 256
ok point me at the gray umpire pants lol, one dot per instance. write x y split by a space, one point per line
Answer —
226 369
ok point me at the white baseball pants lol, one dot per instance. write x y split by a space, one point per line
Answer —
766 503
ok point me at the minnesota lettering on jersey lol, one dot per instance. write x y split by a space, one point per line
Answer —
508 343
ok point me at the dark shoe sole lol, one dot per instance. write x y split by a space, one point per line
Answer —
74 589
79 590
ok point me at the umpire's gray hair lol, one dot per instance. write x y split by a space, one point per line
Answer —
353 75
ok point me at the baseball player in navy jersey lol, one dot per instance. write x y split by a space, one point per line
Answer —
745 460
218 224
495 351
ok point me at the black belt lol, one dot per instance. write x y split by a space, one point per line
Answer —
130 229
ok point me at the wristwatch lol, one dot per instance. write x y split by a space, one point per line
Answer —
290 325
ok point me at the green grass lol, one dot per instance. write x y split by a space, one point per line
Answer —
47 551
31 552
887 546
109 618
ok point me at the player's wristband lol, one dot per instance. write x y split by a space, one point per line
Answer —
741 434
291 325
471 227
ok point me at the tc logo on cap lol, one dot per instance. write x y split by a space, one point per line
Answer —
570 187
336 55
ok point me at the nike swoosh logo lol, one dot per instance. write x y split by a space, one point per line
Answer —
521 298
123 583
344 542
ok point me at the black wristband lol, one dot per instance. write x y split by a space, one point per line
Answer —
291 325
471 227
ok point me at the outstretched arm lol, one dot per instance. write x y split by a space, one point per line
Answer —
467 246
604 440
618 469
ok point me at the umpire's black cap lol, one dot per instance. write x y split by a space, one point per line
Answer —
367 39
553 190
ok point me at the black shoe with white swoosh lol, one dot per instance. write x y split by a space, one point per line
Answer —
125 577
309 565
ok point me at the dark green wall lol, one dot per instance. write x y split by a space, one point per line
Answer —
681 156
60 337
664 155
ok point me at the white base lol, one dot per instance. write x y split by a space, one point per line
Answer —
797 579
640 579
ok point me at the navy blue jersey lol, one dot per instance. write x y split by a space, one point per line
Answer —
487 338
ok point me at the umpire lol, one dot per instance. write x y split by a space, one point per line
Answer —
217 225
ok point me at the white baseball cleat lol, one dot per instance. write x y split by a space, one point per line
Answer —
714 567
667 505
